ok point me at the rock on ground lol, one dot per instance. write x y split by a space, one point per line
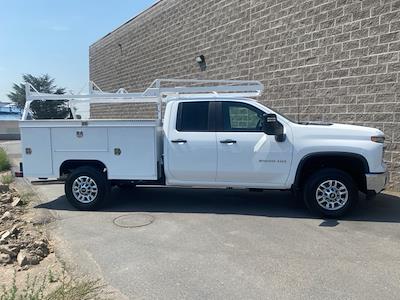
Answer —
7 250
6 216
25 258
6 198
4 188
5 258
16 201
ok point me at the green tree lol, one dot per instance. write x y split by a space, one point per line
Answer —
47 109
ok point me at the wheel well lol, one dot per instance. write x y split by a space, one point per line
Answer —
353 164
69 165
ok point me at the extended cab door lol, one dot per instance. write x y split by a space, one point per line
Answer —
190 143
246 155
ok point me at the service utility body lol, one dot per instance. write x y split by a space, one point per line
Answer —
211 134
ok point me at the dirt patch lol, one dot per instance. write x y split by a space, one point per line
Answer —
25 250
22 244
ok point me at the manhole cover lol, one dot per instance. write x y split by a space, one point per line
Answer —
133 220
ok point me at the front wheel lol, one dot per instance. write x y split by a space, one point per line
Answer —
330 193
86 188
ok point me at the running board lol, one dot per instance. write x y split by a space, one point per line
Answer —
44 182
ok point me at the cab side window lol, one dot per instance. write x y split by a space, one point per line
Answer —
241 117
193 116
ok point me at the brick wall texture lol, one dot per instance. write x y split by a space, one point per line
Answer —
319 60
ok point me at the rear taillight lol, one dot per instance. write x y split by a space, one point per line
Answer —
20 173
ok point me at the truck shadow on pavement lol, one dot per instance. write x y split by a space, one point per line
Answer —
383 208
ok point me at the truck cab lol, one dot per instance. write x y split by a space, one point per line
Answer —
221 142
210 136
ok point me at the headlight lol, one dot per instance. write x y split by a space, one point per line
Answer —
378 139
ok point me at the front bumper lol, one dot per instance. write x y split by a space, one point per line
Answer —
376 182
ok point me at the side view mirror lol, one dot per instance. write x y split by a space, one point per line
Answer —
271 126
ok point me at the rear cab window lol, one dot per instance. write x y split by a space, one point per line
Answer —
194 117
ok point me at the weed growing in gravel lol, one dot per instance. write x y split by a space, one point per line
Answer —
4 161
7 179
26 197
54 287
32 290
52 277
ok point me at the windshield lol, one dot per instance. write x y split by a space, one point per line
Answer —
290 119
277 113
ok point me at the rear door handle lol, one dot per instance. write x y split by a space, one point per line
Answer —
228 141
179 141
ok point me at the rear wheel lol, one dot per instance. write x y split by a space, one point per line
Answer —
86 188
330 192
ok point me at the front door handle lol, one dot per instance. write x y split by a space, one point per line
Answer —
179 141
228 141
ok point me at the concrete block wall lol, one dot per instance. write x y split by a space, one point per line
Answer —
123 111
319 59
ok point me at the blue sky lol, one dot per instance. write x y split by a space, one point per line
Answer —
48 36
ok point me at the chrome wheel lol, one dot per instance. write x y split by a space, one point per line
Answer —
332 195
84 189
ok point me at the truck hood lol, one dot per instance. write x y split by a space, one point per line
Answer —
313 138
355 129
334 130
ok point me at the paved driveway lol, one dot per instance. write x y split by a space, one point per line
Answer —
227 244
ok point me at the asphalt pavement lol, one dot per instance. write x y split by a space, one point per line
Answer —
228 244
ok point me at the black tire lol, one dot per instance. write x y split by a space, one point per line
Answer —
86 203
338 206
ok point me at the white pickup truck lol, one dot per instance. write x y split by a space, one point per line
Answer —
210 136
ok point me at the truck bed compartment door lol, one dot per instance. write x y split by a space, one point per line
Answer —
79 139
36 152
136 156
